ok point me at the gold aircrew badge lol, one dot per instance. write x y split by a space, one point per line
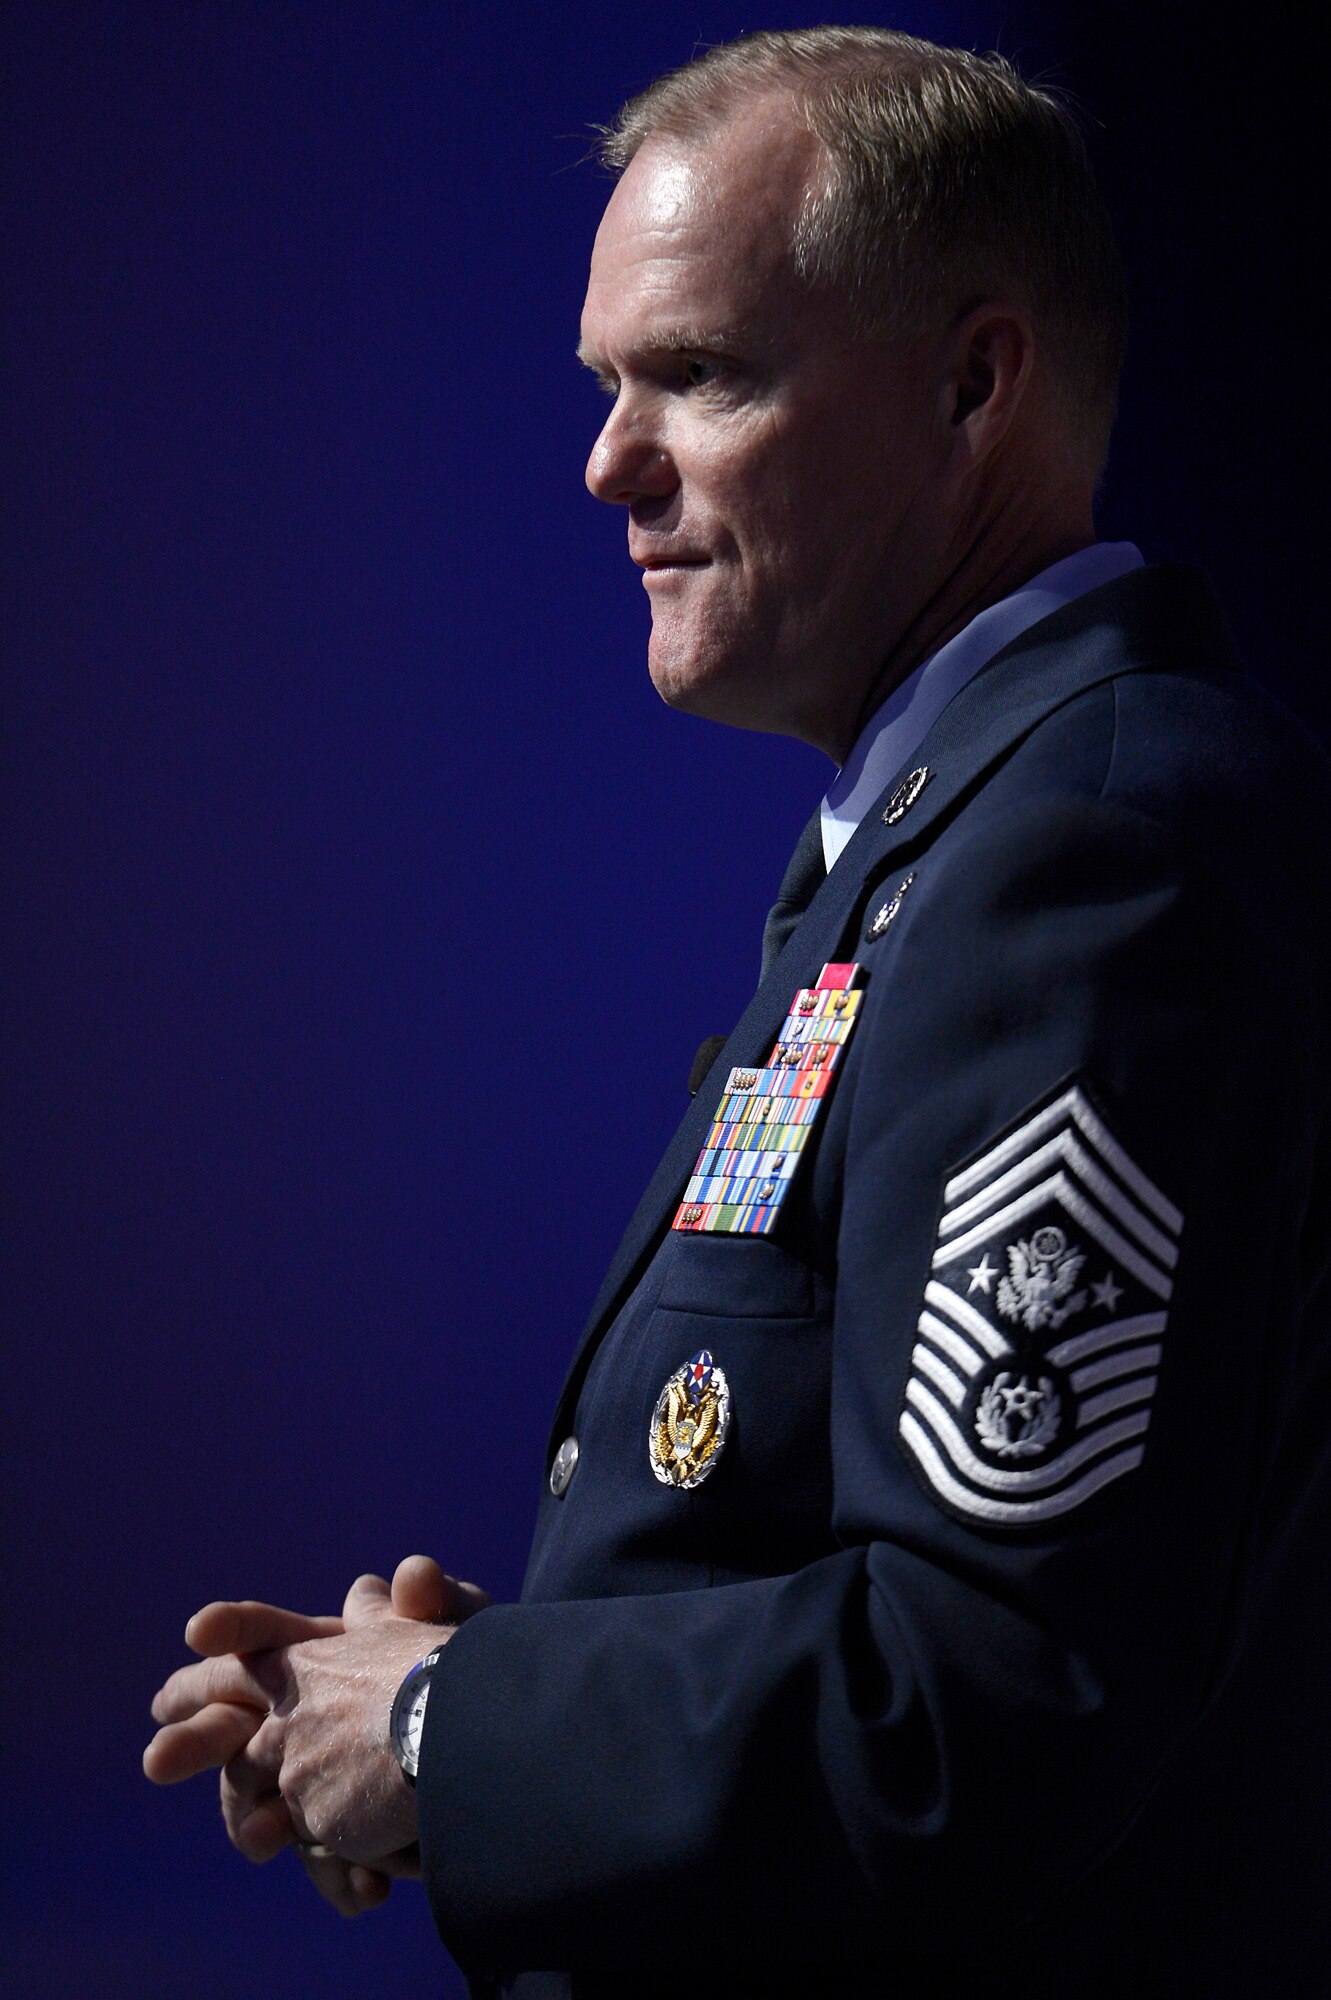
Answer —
690 1423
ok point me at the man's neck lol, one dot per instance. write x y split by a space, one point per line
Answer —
990 569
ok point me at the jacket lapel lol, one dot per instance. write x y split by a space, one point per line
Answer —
1165 616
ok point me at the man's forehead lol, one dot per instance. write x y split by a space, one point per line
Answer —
744 179
696 229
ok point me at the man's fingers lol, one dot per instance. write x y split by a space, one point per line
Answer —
404 1866
348 1886
367 1599
421 1591
424 1591
249 1627
420 1588
261 1830
467 1598
256 1682
255 1771
208 1739
368 1886
258 1819
331 1877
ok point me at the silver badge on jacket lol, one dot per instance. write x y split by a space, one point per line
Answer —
690 1423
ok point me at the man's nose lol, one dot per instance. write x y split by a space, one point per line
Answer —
628 461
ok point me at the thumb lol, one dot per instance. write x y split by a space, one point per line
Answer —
367 1600
421 1589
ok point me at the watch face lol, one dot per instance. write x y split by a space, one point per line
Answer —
413 1722
408 1718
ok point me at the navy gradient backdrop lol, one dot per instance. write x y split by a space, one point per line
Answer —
363 905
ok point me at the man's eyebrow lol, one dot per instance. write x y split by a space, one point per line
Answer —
689 340
668 340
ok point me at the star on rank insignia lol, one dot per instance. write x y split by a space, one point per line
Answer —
1044 1317
767 1116
690 1423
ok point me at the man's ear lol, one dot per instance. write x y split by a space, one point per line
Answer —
992 354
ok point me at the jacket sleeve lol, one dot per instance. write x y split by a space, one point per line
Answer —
939 1724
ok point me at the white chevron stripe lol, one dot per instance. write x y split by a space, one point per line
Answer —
952 1344
1130 1362
1011 1513
966 1317
939 1374
1059 1188
1075 1105
1096 1407
1066 1147
1111 1334
1036 1478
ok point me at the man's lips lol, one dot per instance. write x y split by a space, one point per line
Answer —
664 569
658 559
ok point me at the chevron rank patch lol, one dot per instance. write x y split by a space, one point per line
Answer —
1045 1312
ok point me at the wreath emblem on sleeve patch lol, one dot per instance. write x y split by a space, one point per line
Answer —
1038 1348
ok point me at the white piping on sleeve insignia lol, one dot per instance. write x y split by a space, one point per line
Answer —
967 1318
949 1343
1127 1363
928 1363
1006 1513
1025 1398
1037 1478
1072 1104
1101 1337
1083 1211
1067 1148
1097 1407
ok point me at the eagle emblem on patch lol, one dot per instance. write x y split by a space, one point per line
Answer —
1041 1274
690 1423
1038 1346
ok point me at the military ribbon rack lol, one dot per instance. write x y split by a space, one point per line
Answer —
764 1120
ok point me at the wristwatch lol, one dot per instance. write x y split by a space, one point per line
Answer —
407 1718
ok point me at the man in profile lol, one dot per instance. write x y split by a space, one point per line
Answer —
927 1463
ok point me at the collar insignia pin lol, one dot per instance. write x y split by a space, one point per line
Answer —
882 918
905 795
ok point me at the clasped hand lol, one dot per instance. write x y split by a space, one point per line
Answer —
294 1712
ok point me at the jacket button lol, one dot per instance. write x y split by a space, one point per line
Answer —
566 1461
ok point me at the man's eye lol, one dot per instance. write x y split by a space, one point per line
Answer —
698 373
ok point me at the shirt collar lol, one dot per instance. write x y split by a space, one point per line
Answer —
903 721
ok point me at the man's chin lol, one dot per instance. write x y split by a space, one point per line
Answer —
715 690
693 685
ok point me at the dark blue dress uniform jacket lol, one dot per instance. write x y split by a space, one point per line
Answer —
824 1716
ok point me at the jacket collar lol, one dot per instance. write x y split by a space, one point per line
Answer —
1165 616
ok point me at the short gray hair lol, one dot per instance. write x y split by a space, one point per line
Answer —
951 180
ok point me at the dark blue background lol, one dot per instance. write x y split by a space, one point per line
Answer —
363 904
